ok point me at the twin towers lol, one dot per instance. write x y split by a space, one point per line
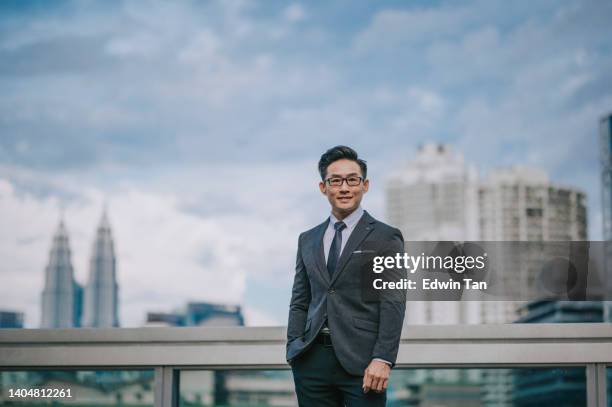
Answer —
64 302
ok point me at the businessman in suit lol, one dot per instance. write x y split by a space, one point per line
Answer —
340 347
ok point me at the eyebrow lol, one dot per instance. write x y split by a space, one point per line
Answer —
340 176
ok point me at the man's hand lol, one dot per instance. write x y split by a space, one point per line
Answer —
376 376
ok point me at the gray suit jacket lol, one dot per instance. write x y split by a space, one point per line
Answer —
360 330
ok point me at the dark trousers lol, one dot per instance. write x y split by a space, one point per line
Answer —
320 381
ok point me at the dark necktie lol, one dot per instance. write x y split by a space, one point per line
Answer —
334 250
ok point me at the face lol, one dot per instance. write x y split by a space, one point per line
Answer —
344 199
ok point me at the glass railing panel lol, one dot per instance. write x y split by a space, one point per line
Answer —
519 387
85 388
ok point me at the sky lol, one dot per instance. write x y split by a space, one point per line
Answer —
199 125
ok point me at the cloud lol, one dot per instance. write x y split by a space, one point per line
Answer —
160 86
23 247
517 88
174 241
201 124
159 250
295 13
391 29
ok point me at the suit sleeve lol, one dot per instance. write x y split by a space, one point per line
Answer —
392 308
300 299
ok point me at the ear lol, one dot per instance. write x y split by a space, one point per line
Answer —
322 187
366 185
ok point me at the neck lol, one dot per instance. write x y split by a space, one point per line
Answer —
341 215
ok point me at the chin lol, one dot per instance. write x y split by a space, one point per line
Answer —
347 207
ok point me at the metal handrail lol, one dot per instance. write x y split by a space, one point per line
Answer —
433 346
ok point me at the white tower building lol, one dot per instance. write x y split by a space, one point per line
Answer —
61 295
435 198
101 292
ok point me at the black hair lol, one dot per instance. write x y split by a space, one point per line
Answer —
341 153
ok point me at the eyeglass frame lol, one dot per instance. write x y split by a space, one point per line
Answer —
327 181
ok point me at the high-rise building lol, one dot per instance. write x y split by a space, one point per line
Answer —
435 198
438 197
101 292
521 204
11 319
61 294
605 148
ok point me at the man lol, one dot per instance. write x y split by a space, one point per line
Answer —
340 347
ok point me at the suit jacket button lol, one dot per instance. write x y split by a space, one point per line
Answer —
332 291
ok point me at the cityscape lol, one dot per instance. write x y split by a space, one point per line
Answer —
158 163
436 196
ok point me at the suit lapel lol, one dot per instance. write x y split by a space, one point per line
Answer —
318 253
361 231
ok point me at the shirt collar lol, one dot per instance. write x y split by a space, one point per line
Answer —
351 220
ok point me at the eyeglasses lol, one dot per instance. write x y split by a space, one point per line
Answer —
350 181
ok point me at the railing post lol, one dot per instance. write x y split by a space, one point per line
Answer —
166 387
602 387
596 385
